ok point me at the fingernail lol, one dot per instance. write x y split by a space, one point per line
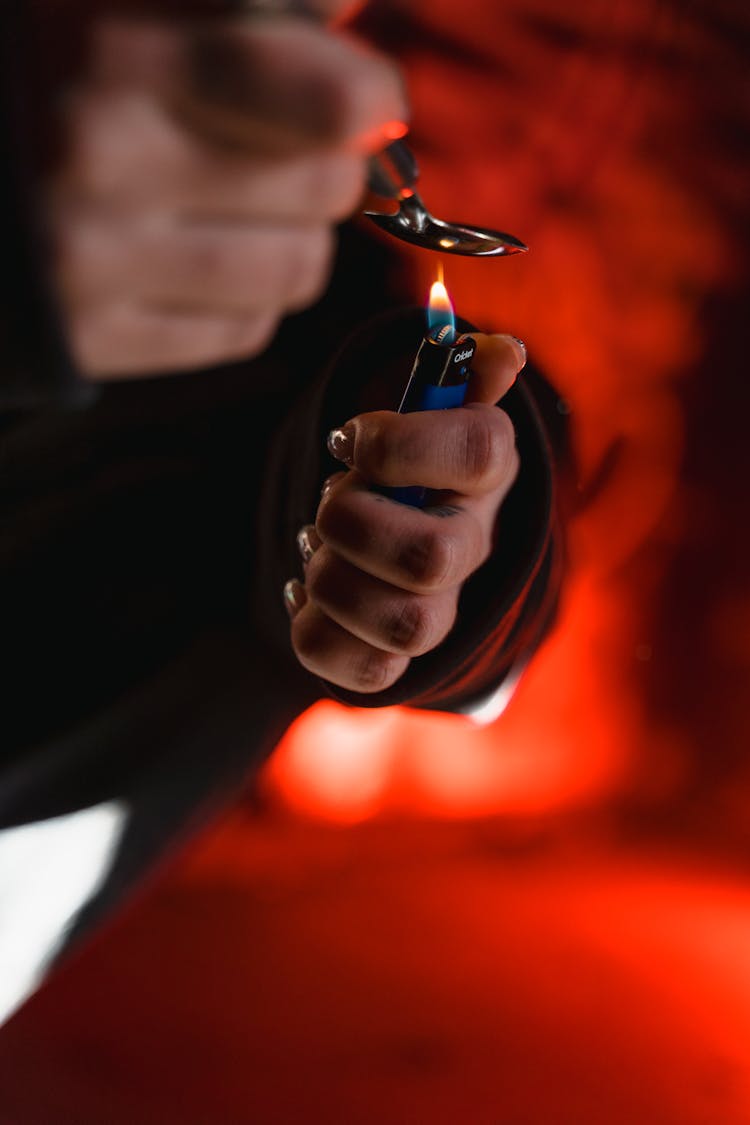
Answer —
294 597
308 542
341 444
522 351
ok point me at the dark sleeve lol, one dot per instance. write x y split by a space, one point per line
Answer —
508 604
35 368
504 608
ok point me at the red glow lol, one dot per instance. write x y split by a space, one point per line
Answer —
394 130
537 965
342 764
336 762
380 136
609 304
623 980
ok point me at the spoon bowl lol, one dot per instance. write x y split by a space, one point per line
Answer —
413 223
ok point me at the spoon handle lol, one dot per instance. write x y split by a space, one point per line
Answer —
393 172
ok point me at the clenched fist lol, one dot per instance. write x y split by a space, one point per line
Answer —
205 166
382 580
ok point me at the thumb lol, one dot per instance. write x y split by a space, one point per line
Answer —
497 362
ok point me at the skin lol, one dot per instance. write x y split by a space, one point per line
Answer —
205 167
383 580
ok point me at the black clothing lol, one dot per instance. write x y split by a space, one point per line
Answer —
147 531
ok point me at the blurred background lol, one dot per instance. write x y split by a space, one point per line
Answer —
544 919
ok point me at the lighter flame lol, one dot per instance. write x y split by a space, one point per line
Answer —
439 299
439 305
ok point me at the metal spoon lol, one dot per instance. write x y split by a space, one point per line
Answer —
393 174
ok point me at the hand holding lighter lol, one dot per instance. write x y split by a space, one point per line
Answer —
438 381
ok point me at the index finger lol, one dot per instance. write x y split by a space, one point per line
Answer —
275 86
468 449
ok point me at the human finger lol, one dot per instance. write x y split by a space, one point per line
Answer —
496 364
467 449
420 551
126 151
205 266
331 652
122 339
272 85
375 611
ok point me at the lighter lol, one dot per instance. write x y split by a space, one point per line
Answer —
440 376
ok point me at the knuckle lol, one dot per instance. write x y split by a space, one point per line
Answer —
489 443
477 448
410 628
428 559
205 258
373 446
375 671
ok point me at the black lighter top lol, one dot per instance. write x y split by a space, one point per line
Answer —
441 371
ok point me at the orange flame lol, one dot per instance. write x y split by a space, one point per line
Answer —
439 304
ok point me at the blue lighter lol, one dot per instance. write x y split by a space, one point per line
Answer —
440 375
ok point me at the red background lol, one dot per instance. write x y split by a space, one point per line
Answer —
546 920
